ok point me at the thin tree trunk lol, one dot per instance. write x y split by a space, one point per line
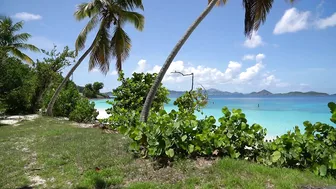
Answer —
59 88
156 85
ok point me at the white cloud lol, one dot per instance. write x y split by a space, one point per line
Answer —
326 22
27 16
142 64
251 72
254 41
271 80
203 75
260 57
292 21
249 57
114 73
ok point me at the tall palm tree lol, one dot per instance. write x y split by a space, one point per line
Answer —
109 15
255 14
13 42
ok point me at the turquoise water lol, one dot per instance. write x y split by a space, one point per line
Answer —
277 114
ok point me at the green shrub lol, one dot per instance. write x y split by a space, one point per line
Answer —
332 107
84 111
314 149
130 96
180 134
66 100
17 84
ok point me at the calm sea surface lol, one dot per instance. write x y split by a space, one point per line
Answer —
277 114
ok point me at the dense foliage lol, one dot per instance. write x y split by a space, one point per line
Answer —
179 134
315 148
130 96
93 90
17 84
84 111
26 89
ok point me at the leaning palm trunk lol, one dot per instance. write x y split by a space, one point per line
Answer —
59 88
156 85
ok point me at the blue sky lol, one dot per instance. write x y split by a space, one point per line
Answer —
294 50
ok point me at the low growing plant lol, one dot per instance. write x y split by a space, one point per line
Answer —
314 149
84 111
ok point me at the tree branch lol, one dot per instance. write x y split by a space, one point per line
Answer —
192 78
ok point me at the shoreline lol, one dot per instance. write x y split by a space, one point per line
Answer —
103 115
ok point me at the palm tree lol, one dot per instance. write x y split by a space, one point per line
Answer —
255 14
13 43
109 14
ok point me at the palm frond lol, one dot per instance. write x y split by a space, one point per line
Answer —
24 46
120 46
255 14
81 39
22 37
130 4
137 19
87 9
17 26
21 55
101 51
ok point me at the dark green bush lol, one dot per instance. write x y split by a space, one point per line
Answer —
84 111
332 107
17 83
66 100
130 96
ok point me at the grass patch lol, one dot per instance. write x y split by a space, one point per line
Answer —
49 153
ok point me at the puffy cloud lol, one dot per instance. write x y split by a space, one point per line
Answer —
27 16
251 72
254 41
248 57
271 80
204 75
292 21
142 64
209 76
326 22
260 57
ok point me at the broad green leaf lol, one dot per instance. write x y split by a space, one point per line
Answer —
184 137
170 153
191 148
275 156
323 170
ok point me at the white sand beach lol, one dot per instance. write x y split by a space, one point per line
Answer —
102 113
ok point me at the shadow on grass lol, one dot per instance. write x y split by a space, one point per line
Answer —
101 184
25 187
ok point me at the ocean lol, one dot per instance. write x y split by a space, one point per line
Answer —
277 114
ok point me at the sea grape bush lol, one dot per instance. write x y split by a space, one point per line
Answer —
179 134
314 149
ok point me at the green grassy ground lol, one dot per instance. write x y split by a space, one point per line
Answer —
49 153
